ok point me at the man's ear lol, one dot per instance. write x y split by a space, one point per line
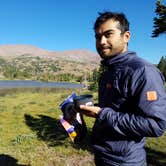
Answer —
127 36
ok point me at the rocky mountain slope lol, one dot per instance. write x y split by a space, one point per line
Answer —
10 51
21 61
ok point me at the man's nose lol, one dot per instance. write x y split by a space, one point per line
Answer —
103 40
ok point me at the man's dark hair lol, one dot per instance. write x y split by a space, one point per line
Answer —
120 17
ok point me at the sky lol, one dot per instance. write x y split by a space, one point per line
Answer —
60 25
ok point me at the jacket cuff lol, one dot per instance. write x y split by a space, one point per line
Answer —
103 113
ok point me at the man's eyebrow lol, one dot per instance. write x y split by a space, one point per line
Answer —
105 32
109 30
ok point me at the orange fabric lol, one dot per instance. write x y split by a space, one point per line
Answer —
108 85
151 95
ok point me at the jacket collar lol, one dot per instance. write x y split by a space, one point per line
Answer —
118 59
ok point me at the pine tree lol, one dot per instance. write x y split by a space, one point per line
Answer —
159 23
162 65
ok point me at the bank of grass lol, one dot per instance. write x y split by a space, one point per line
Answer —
31 135
30 132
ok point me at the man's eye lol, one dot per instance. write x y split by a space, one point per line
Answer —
97 37
107 35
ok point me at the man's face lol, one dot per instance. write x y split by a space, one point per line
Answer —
109 40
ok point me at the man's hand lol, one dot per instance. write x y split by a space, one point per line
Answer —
90 111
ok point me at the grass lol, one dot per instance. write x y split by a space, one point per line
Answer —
31 135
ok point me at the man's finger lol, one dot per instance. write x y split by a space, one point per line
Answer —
85 107
90 108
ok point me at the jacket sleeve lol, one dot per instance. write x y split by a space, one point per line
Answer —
147 86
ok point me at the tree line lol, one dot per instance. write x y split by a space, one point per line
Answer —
162 65
36 68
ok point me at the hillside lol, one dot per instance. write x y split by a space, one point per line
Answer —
30 62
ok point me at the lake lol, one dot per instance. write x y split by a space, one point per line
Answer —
36 84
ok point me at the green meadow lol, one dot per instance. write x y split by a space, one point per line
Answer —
31 134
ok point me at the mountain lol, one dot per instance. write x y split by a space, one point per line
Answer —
80 55
18 49
37 63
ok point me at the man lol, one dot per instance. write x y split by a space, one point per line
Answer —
132 99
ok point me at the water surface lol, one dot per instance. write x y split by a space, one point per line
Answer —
36 84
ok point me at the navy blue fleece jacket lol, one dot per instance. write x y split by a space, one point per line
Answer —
133 102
